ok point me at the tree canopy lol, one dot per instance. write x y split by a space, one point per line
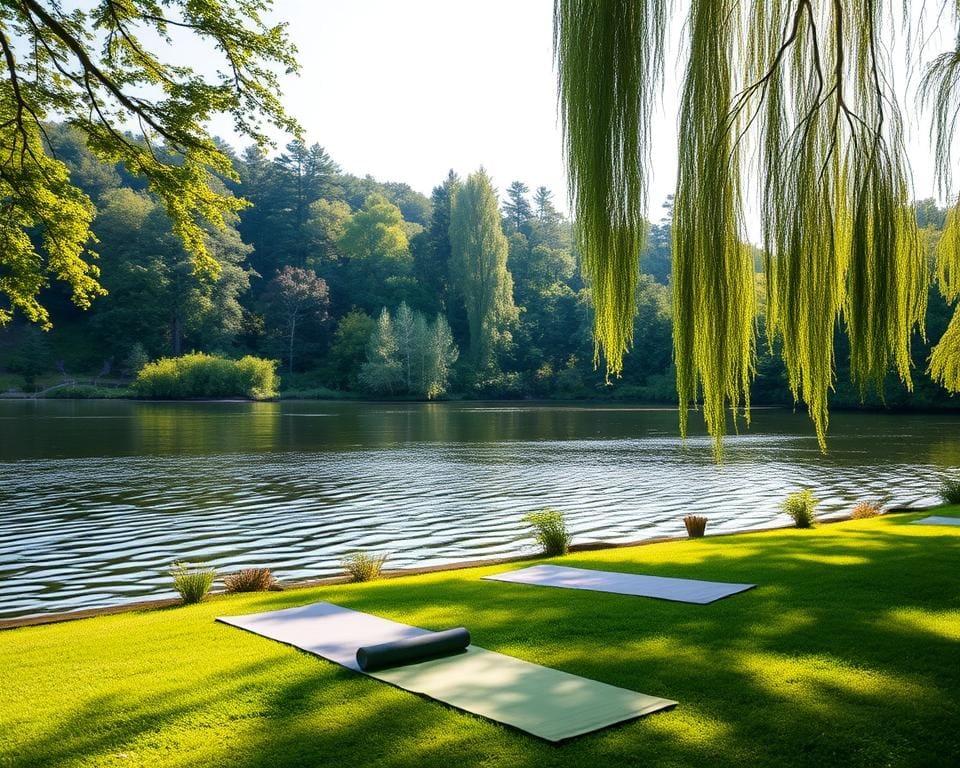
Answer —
108 69
798 94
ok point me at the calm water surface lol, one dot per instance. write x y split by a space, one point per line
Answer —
97 498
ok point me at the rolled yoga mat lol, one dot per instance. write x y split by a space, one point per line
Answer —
544 702
412 649
679 590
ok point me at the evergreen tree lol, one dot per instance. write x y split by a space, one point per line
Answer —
404 328
543 205
382 372
432 251
517 208
479 266
443 355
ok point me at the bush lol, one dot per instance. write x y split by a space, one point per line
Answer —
865 510
362 566
696 525
801 507
250 580
193 582
200 375
950 490
550 531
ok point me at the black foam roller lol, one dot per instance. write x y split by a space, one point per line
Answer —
430 646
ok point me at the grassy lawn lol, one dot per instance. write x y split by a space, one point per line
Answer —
847 654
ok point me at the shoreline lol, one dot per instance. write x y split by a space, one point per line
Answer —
60 617
897 410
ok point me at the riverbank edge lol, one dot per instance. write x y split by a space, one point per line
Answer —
350 397
398 573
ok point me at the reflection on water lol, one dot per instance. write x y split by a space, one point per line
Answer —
99 498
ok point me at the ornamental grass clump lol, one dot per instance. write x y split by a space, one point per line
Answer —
549 531
364 566
696 525
192 582
865 510
250 580
950 490
801 506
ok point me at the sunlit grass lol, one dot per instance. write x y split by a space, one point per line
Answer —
845 654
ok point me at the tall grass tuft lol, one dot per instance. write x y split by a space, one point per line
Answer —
696 525
950 490
865 510
192 582
549 531
250 580
364 566
801 506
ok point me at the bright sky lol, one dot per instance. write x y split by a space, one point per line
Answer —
404 91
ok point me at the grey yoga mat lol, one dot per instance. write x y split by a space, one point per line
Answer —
680 590
545 702
938 520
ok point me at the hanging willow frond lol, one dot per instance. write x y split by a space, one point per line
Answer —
714 298
610 61
796 93
840 236
939 91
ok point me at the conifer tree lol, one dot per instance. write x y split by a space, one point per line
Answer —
382 372
479 266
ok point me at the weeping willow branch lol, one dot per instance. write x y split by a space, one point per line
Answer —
940 91
795 93
713 291
839 233
610 63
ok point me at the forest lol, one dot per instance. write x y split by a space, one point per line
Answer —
359 287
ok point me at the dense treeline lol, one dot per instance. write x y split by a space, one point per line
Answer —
360 286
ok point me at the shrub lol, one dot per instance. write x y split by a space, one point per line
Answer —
801 507
250 580
363 566
696 525
864 510
200 375
193 582
550 531
950 490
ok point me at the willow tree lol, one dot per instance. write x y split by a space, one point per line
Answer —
478 265
799 95
110 69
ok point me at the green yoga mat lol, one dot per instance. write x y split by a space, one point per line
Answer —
547 703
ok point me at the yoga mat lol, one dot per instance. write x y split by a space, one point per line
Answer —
547 703
680 590
413 649
938 520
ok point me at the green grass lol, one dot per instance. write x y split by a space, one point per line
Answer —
847 654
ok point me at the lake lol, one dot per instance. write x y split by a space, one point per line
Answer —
97 498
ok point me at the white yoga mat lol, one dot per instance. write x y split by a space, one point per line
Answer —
938 520
680 590
545 702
